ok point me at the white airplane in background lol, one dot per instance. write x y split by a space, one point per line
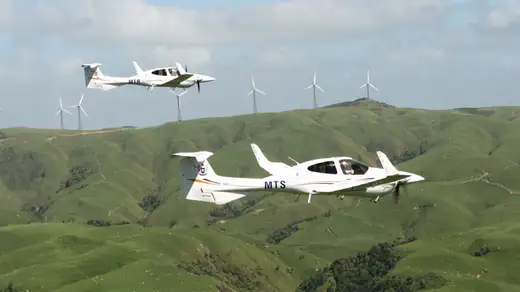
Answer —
339 176
172 77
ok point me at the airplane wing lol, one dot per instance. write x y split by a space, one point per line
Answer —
360 184
392 175
175 81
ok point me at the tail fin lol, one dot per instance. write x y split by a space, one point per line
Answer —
386 164
271 167
200 182
95 79
138 69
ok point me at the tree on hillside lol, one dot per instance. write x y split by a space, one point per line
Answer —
367 271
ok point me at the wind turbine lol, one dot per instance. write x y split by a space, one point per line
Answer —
368 85
178 95
314 86
80 109
253 91
61 113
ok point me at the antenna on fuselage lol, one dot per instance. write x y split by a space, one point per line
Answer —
293 160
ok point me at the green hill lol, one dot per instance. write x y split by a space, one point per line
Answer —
71 186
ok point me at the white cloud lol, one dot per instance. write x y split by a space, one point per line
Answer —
5 12
167 56
138 21
505 15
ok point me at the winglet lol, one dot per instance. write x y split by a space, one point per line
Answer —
180 68
271 167
137 69
387 165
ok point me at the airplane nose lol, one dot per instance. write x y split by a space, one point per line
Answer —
415 178
208 79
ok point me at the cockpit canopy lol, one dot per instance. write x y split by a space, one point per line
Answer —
346 166
165 72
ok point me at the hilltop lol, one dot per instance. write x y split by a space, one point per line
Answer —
71 186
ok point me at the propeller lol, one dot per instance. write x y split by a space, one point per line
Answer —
197 81
397 191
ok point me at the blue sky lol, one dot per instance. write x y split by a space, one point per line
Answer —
423 53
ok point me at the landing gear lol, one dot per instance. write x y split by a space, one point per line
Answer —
375 200
342 197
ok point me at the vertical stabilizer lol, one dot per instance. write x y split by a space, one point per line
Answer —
95 79
199 182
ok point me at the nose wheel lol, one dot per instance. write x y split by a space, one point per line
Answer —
375 200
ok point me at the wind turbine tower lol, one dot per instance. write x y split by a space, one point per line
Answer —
80 109
368 85
178 95
314 86
253 91
61 113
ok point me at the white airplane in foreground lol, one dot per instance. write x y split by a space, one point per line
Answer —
339 176
172 77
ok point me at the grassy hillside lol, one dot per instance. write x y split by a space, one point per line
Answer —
59 180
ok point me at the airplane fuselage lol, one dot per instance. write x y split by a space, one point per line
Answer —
304 184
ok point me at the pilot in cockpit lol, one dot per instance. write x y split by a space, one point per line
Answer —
345 167
170 70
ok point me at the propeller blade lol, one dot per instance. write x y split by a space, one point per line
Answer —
198 85
396 194
297 198
186 68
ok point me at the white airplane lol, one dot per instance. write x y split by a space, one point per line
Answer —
339 176
172 77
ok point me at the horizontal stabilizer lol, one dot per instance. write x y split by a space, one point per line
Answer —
199 155
91 65
221 198
386 164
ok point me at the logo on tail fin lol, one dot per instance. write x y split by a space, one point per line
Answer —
201 168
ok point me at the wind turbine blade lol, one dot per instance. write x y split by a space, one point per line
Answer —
83 111
309 87
317 86
58 112
67 112
368 76
253 81
261 91
251 92
314 79
81 99
373 87
363 85
73 106
61 104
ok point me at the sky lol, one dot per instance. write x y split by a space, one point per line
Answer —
433 54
